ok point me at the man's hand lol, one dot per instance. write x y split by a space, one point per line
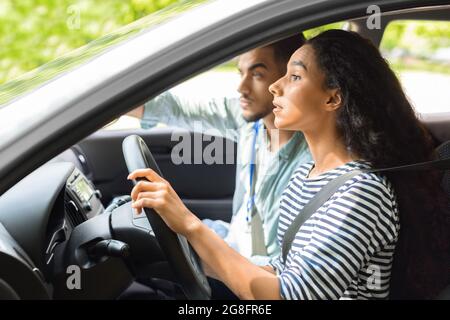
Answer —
136 113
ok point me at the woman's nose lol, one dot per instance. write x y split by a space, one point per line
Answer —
274 88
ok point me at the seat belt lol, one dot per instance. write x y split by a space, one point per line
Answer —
331 187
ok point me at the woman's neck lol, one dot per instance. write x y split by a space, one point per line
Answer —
278 138
328 151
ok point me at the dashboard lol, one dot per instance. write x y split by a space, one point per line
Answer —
41 211
53 219
81 202
82 195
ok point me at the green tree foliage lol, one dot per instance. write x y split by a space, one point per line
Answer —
417 36
315 31
33 32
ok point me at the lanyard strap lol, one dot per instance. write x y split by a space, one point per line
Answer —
251 199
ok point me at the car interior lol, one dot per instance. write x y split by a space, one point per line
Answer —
81 213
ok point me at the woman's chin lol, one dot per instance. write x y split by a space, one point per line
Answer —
279 122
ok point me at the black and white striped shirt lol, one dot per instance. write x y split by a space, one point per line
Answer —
345 249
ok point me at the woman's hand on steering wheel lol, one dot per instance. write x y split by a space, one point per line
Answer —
158 194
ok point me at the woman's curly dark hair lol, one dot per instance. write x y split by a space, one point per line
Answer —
378 124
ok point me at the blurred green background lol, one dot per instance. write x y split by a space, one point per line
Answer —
33 32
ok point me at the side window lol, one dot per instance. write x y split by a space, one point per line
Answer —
315 31
123 122
419 52
221 81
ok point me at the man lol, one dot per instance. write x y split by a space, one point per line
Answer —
274 153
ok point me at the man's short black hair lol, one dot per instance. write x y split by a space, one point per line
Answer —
284 48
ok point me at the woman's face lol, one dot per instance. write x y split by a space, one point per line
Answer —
300 100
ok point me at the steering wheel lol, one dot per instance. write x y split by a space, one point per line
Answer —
181 257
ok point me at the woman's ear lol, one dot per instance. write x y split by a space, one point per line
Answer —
334 100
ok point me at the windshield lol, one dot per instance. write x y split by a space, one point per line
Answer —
48 71
52 95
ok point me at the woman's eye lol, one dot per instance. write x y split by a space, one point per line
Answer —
294 77
257 74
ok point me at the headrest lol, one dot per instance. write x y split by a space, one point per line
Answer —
443 151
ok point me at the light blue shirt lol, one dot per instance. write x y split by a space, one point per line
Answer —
224 117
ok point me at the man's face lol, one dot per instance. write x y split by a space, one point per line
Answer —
258 69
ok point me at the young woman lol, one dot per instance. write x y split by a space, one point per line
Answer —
342 95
